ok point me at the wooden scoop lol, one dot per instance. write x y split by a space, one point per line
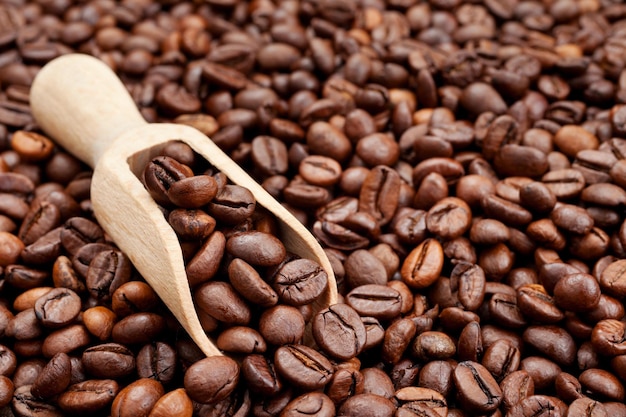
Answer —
79 102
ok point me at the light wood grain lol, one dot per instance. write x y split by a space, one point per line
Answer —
79 102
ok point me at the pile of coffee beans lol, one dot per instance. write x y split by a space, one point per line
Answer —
461 163
261 309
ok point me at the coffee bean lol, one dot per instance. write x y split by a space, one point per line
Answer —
39 220
204 265
299 282
192 192
324 139
535 405
247 281
344 384
598 383
543 371
379 193
260 375
587 292
423 265
232 205
108 270
313 403
378 301
367 405
611 279
535 303
54 378
57 307
281 325
78 232
108 361
564 183
8 389
211 379
476 387
156 360
137 398
257 248
24 403
339 320
303 366
175 402
137 328
88 396
587 406
432 345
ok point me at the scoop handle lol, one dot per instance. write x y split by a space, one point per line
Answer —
81 104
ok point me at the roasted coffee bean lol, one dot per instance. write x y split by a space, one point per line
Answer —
344 384
587 292
26 404
191 223
543 371
232 205
99 321
423 265
598 383
108 361
535 303
137 398
535 405
303 366
320 170
205 263
470 343
300 282
564 183
40 219
78 232
376 381
379 193
175 402
8 388
161 173
211 379
249 284
133 297
378 301
138 328
367 405
58 307
501 358
515 387
331 328
108 270
315 403
256 248
44 250
476 387
54 378
157 360
432 345
374 332
507 212
397 339
260 375
281 325
611 279
586 406
88 396
469 280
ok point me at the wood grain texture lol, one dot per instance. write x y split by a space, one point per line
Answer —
80 103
